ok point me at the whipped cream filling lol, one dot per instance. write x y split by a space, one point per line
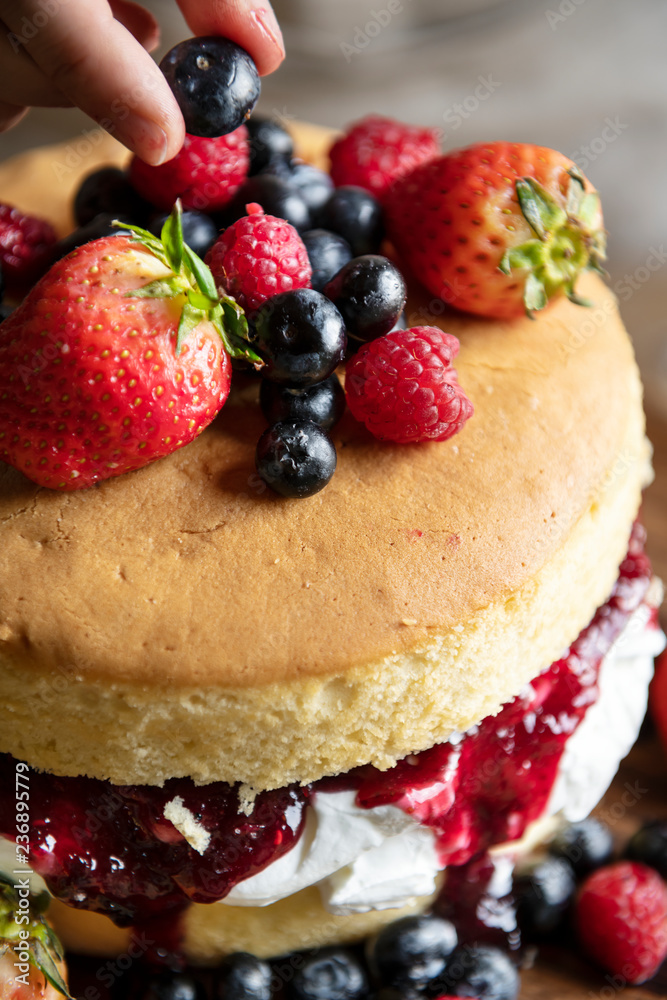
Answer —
382 858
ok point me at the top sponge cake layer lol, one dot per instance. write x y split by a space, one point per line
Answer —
184 620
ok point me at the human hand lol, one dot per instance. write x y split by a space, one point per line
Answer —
93 54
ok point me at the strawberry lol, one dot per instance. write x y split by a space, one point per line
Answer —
31 957
497 229
119 356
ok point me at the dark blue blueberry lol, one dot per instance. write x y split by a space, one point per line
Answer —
276 196
199 230
215 83
269 142
327 253
300 336
295 458
356 215
480 971
315 186
649 845
109 192
369 293
101 225
323 403
171 986
542 894
243 977
330 974
412 951
586 845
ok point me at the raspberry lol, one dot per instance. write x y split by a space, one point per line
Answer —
376 151
204 175
402 386
26 249
258 257
621 919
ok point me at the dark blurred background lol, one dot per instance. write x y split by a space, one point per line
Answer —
588 77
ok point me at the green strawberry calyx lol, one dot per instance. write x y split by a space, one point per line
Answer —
568 240
192 278
26 930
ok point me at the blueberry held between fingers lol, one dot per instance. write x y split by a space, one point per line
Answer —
300 336
323 403
295 458
370 293
215 83
327 252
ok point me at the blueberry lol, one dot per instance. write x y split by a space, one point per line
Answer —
586 845
480 971
171 986
369 293
199 230
269 142
109 192
331 974
315 186
276 196
357 216
295 458
323 403
649 845
215 83
327 253
5 311
542 894
300 336
101 225
243 977
412 951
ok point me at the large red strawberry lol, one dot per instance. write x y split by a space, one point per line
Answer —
497 229
119 356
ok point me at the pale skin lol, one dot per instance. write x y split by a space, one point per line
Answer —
94 55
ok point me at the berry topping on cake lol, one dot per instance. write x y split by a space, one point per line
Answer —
403 388
375 151
296 458
258 257
118 357
215 83
269 142
300 336
327 253
499 228
26 249
31 957
621 920
356 215
370 293
323 403
205 175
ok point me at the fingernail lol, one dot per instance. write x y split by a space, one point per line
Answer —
144 137
268 23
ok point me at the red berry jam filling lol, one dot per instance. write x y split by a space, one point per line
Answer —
108 848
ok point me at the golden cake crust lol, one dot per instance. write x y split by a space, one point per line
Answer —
213 621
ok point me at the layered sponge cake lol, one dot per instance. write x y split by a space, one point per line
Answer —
270 724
